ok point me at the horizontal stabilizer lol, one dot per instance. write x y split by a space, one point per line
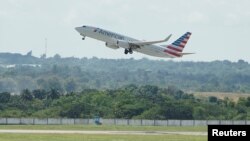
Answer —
186 53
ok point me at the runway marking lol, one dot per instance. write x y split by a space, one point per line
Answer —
102 132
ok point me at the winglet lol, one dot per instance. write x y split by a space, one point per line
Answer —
168 38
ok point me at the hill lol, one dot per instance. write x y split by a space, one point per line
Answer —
77 74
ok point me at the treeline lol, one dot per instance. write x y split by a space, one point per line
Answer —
18 72
144 102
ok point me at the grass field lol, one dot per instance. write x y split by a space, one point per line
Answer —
79 137
107 127
234 96
84 137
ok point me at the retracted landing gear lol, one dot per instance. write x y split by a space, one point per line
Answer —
130 51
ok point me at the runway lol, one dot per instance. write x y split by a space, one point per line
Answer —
102 132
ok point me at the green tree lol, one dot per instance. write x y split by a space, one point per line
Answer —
53 94
199 113
55 83
72 110
212 99
70 85
4 97
26 95
39 94
248 102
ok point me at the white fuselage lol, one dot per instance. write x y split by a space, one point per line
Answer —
111 37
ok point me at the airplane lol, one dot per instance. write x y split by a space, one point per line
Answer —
115 41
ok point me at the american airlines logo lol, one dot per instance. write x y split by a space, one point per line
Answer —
113 35
95 29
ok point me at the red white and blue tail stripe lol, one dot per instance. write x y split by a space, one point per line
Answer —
175 49
180 43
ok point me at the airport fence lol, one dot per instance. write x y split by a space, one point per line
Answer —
138 122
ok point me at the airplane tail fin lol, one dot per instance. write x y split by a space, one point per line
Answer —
175 49
180 43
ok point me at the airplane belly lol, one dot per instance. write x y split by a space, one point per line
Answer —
153 51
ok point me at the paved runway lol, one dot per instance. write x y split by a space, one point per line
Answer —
102 132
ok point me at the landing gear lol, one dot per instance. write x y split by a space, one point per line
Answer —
130 51
126 51
83 36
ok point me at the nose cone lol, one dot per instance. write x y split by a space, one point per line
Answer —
78 29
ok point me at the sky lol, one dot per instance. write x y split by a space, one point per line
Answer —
220 28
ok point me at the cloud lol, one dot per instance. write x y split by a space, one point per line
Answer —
142 19
197 18
70 17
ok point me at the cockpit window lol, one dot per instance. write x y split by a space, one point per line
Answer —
84 26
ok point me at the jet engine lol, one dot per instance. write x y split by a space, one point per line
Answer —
110 45
123 44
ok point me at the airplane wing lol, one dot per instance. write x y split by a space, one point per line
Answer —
141 43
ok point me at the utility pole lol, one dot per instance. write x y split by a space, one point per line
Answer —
45 53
